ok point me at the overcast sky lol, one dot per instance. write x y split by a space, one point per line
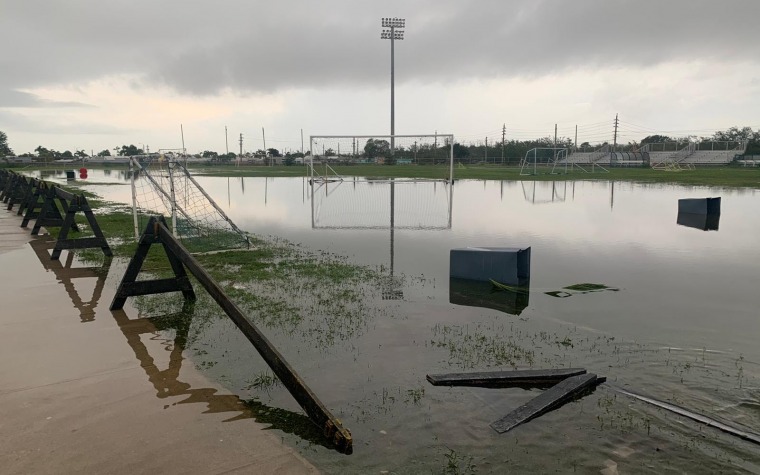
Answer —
95 74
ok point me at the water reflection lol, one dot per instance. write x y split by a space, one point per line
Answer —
166 381
705 222
473 293
66 274
392 204
168 384
540 192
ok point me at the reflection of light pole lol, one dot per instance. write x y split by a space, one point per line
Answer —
392 34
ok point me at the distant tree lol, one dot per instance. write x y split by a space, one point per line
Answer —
209 154
735 134
655 139
4 148
377 148
260 153
104 153
460 151
273 152
81 154
67 155
44 154
289 160
329 152
129 151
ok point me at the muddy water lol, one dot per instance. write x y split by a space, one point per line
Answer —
680 325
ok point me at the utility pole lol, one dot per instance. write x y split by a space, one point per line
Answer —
301 141
486 152
503 135
614 140
226 142
576 137
415 151
182 132
265 141
241 146
555 142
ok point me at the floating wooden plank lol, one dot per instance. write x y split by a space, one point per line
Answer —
503 379
157 232
735 431
554 397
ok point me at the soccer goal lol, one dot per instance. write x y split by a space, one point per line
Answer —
329 151
162 185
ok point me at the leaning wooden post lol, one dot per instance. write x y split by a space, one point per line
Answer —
158 232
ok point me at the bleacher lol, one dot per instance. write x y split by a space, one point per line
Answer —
710 157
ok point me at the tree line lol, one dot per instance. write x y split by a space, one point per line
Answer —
510 151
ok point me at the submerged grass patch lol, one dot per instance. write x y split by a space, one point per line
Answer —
586 287
583 288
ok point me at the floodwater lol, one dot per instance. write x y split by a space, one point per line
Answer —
679 322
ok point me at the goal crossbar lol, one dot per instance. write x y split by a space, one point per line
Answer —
406 149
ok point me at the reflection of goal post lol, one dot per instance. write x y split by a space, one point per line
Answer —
407 150
395 203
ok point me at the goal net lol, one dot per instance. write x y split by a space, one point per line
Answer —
162 185
330 151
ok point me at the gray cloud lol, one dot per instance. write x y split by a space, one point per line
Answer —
259 46
13 98
53 125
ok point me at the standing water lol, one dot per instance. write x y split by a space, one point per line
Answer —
678 322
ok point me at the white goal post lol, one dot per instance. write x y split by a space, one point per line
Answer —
392 150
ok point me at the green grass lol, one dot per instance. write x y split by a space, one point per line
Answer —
724 176
712 176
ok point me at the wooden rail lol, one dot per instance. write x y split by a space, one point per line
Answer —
43 202
157 232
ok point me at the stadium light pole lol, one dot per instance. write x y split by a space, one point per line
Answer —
392 30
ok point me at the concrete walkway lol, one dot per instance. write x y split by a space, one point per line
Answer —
12 235
85 390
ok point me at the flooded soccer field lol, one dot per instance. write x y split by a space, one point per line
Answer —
678 322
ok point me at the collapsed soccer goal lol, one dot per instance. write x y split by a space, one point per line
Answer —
330 151
161 184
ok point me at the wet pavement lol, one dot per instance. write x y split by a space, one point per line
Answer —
86 390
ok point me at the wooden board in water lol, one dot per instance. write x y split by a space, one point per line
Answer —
548 400
501 379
